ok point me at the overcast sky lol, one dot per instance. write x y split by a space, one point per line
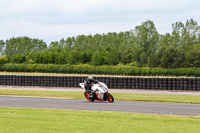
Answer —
52 20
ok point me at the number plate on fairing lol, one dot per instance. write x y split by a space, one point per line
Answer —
100 95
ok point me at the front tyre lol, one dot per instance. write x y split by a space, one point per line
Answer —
109 97
87 94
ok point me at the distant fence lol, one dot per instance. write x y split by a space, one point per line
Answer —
112 82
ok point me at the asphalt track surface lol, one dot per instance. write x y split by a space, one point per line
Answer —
117 106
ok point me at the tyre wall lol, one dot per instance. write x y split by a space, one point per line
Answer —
112 82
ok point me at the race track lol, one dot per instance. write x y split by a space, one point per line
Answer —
117 106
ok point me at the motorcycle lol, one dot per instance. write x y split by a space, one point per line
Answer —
100 91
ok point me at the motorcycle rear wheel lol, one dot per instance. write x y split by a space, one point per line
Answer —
109 97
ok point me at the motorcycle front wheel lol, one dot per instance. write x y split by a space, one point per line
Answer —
87 94
109 97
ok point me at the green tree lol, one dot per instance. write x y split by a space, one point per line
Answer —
146 38
21 45
2 45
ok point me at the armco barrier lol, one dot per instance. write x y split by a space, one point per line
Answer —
112 82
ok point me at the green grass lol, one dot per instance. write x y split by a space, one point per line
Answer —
24 120
53 74
75 74
158 97
117 96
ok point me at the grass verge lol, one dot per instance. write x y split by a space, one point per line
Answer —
23 120
75 74
117 96
54 74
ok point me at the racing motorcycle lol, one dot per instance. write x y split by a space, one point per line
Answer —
100 93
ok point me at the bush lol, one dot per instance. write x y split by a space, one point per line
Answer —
88 69
3 60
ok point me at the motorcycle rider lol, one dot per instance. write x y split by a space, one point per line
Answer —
88 84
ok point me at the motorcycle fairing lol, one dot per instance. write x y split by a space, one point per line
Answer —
100 90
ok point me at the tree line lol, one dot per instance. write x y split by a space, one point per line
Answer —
142 46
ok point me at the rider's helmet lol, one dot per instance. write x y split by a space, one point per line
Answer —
90 79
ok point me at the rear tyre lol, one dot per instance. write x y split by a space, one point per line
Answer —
109 97
87 94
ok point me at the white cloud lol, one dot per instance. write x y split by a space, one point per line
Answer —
92 6
51 20
53 32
